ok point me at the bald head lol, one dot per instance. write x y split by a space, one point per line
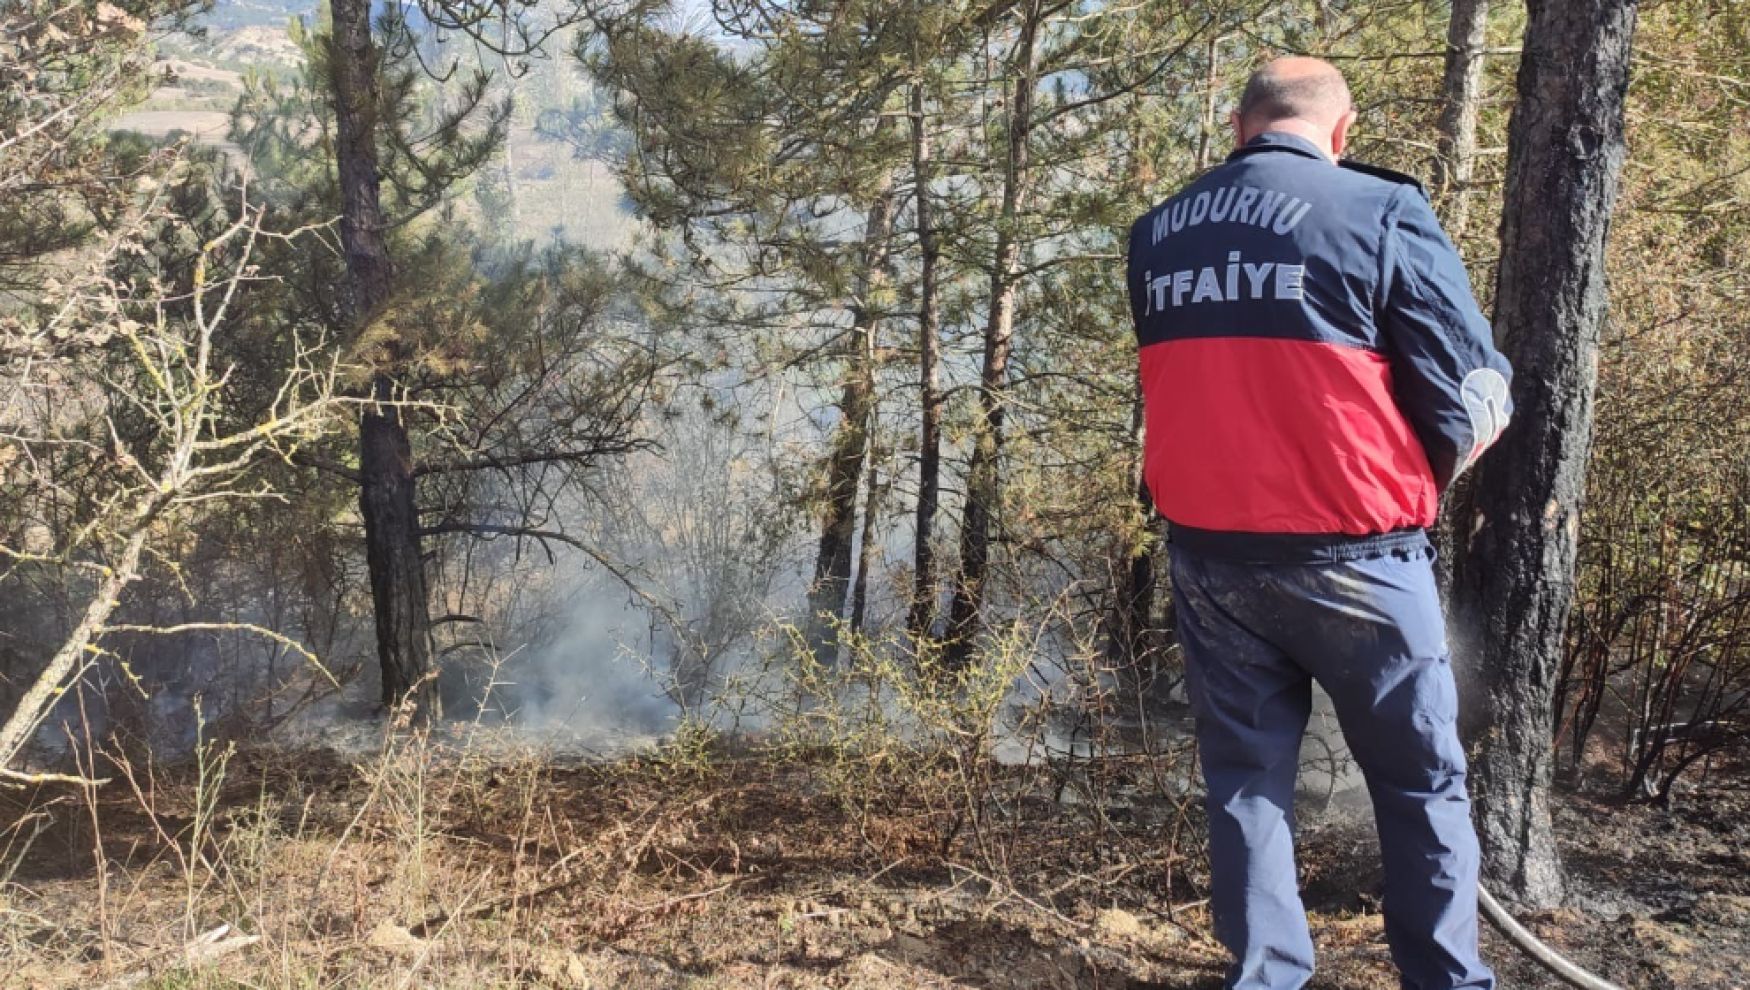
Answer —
1297 95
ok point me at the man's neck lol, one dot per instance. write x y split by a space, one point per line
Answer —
1320 138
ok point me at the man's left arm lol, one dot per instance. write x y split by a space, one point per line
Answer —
1451 382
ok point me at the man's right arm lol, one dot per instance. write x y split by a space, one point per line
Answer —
1451 382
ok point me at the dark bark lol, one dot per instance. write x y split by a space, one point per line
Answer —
866 547
386 495
1132 642
392 553
923 602
983 481
851 442
1514 577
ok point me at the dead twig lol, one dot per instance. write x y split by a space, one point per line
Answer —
1004 890
204 948
617 926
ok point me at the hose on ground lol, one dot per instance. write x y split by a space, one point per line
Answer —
1532 946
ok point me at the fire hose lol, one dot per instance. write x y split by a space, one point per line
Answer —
1534 947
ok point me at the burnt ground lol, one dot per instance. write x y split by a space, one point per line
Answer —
697 869
1659 898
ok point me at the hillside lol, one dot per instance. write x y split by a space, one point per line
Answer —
556 193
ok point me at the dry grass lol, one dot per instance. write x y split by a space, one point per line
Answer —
425 866
699 866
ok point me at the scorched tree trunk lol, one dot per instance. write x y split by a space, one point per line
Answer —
1514 579
386 497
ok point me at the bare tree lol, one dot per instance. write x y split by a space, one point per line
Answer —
161 455
692 537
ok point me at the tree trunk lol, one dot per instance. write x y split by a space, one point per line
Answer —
1454 162
866 546
1514 578
851 442
923 600
983 483
844 473
1211 92
386 498
392 552
1460 91
1132 646
1130 633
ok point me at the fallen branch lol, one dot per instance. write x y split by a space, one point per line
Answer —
443 919
20 778
1005 890
202 949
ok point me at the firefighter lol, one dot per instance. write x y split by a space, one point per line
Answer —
1315 372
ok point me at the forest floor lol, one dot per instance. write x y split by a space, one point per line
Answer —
703 869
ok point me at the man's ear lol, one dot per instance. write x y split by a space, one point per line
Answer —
1239 128
1340 134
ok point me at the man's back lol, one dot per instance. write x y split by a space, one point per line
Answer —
1306 338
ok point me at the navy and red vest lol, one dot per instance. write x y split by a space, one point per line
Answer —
1315 369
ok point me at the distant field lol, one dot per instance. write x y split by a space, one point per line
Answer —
236 48
196 72
205 126
230 14
556 194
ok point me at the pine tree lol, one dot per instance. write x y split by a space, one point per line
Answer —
413 313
